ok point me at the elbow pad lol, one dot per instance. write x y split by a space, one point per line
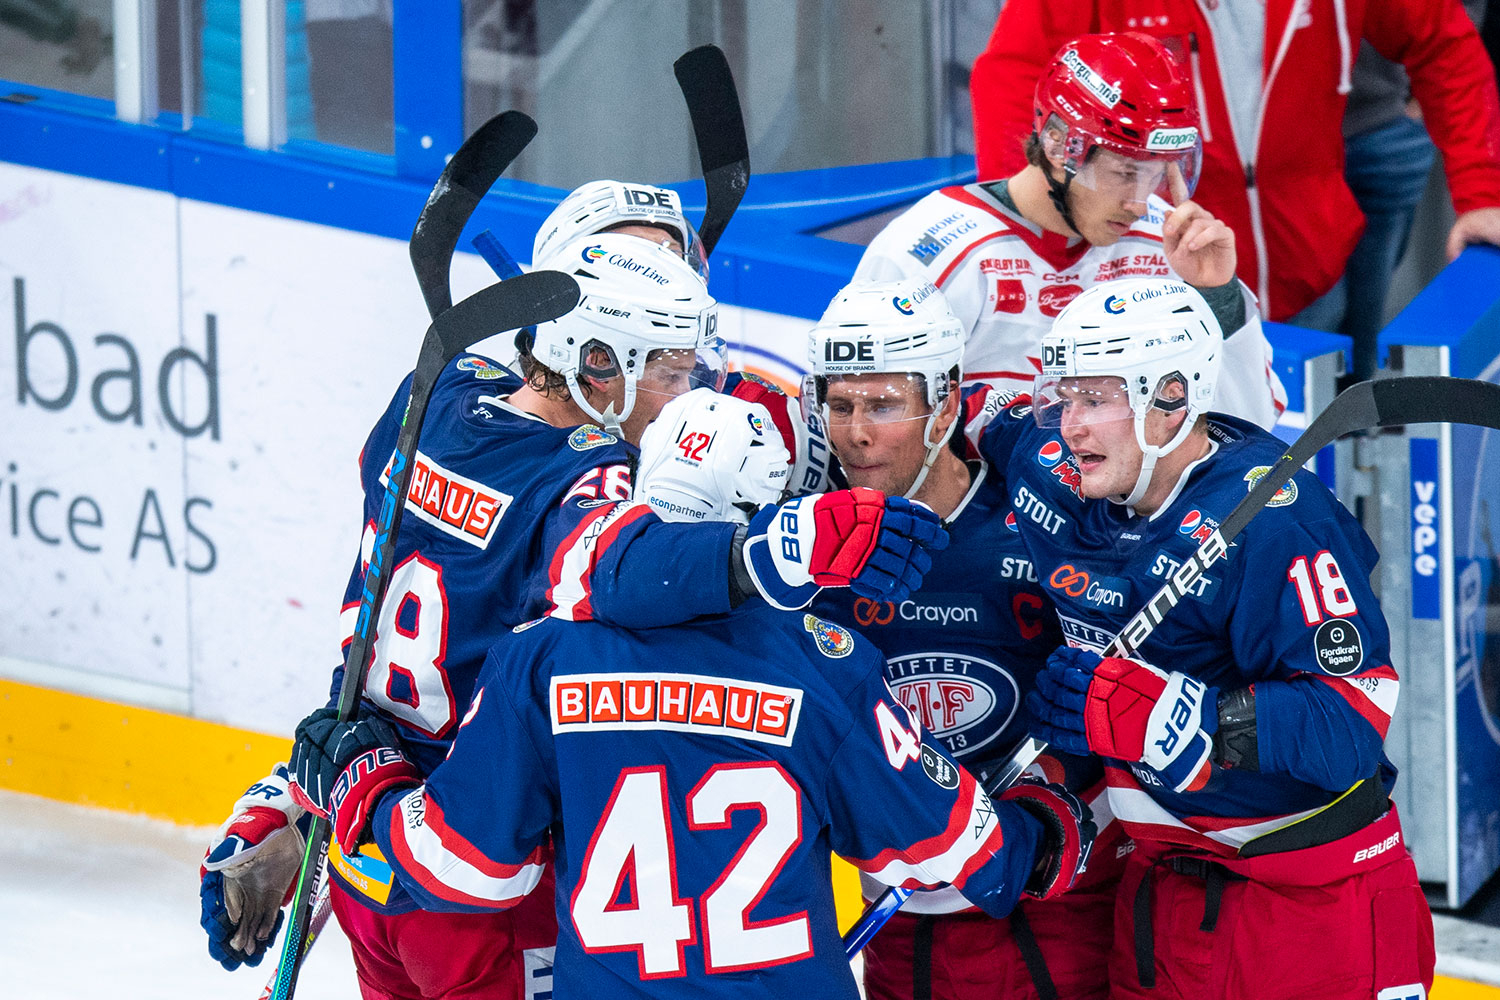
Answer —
1236 744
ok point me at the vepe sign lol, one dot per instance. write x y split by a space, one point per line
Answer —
1426 595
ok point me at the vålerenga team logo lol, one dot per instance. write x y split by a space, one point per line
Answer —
588 436
965 701
832 640
1284 496
480 368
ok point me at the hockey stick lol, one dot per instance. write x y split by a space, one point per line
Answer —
471 172
1425 399
714 106
322 909
507 305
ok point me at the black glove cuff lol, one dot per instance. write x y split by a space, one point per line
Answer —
1236 744
741 586
1049 859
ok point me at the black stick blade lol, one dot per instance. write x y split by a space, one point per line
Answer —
714 104
471 172
525 300
719 127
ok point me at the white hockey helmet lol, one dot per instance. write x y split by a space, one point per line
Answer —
902 327
637 298
711 457
601 205
1146 333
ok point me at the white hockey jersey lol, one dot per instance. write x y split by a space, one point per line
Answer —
1006 279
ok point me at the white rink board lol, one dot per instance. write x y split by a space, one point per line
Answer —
313 329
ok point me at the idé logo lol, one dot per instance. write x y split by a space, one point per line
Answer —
651 199
843 350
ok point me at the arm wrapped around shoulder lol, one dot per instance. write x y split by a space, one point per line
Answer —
876 545
1070 834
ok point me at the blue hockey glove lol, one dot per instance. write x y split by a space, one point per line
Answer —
1127 710
1070 834
248 871
909 534
855 538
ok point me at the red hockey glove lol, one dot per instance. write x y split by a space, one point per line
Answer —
849 538
1128 710
359 788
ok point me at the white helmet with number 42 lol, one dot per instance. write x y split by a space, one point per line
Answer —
711 457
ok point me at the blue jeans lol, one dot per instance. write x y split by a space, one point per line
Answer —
1387 170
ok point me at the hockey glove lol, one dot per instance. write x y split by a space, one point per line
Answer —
858 538
1127 710
1071 830
325 747
248 871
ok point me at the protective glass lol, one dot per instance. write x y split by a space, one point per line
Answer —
1172 177
886 398
1060 400
672 372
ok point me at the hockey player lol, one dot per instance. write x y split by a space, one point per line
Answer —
885 362
1105 194
961 654
1243 743
655 214
519 503
694 780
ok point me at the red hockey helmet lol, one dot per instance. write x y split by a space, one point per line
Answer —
1126 93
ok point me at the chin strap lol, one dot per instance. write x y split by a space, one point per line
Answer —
1057 190
934 449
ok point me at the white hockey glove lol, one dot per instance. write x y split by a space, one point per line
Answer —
710 457
248 871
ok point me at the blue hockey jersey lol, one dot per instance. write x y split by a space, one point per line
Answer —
962 652
506 518
694 781
1289 613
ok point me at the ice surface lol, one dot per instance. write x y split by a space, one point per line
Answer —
103 904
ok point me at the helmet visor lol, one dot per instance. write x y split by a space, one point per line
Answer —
1172 177
1069 400
877 398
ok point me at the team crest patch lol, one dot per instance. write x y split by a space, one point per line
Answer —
1284 497
833 640
588 436
480 368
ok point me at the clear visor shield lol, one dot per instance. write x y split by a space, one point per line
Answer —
885 398
1067 401
1171 176
671 372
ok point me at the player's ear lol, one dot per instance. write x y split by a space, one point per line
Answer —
949 408
1054 143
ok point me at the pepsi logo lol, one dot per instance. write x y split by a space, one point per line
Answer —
1010 521
1050 454
1190 522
